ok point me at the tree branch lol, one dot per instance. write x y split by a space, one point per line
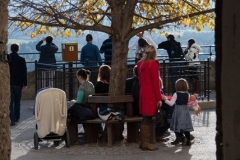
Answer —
159 25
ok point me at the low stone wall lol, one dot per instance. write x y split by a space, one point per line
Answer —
30 92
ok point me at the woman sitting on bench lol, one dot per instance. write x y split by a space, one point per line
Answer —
86 87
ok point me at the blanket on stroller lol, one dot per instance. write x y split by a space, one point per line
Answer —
51 112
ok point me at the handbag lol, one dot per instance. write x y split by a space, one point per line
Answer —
161 117
79 112
107 113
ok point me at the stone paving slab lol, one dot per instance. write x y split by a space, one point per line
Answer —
203 146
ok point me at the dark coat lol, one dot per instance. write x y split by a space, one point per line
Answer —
18 70
132 87
167 45
47 53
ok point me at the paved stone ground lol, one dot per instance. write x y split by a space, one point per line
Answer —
203 147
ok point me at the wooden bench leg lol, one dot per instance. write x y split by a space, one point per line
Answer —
132 131
91 132
109 133
72 130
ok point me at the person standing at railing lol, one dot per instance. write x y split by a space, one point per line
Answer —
139 36
90 54
135 45
18 82
47 56
175 54
191 55
106 48
149 97
142 44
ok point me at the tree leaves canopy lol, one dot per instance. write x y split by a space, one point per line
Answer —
59 17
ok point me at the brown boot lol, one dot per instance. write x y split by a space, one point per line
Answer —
145 133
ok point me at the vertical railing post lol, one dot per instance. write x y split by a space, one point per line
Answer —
64 77
36 76
210 52
208 77
70 66
205 79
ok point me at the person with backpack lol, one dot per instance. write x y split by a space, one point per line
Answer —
173 48
175 54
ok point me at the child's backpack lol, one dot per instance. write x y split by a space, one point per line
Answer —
176 50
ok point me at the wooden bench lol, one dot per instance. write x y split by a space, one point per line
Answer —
91 130
91 126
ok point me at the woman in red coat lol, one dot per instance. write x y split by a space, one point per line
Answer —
150 97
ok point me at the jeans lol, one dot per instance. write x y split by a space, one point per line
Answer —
16 94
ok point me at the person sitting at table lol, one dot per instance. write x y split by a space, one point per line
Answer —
86 87
102 85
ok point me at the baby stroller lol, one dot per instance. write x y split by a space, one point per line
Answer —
51 117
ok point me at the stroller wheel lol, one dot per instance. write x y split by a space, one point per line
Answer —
36 140
67 140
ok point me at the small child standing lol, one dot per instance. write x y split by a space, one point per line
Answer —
181 119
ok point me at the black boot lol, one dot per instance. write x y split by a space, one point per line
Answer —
179 138
188 142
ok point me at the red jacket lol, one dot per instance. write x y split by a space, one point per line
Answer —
150 94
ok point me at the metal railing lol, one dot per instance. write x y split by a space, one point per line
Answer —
63 76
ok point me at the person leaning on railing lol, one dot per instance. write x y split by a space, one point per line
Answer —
192 55
47 56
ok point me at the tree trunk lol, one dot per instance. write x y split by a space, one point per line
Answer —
121 27
228 110
5 140
218 42
119 68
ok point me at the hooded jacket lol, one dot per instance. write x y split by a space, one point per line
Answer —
193 54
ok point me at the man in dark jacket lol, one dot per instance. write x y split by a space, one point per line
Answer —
18 82
172 46
47 51
175 53
47 56
90 55
106 48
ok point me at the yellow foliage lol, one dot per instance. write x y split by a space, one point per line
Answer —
33 34
88 12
